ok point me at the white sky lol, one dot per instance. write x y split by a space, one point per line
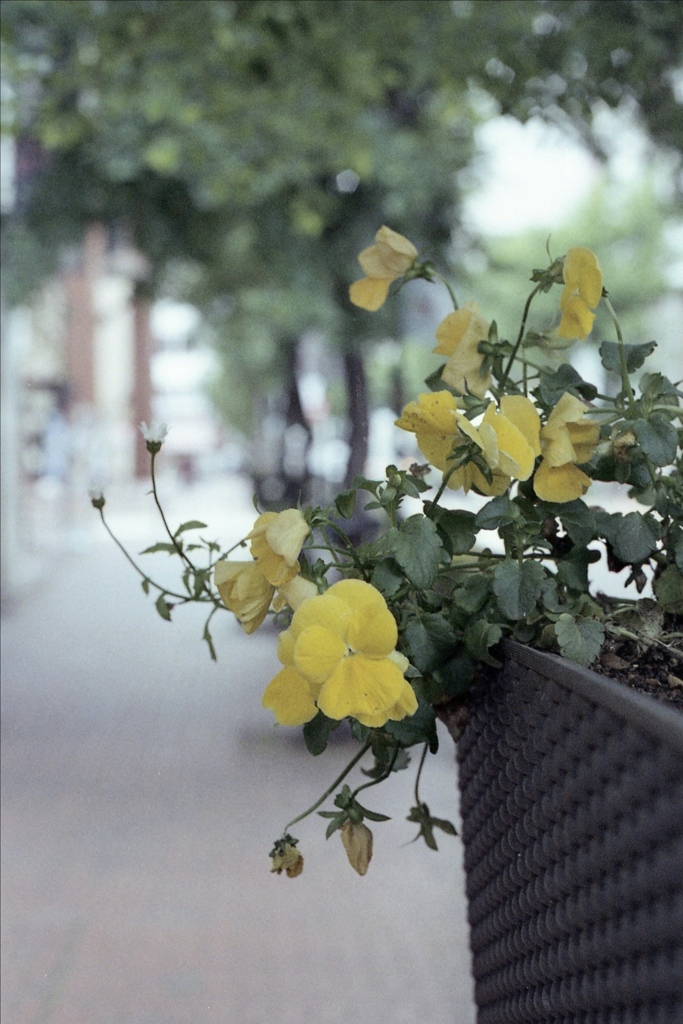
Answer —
534 176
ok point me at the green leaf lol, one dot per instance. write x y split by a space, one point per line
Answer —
317 732
206 635
635 355
418 550
386 577
191 524
576 518
145 585
572 570
337 820
479 637
163 607
553 385
669 590
473 594
171 549
580 639
345 503
633 536
518 587
418 728
658 438
430 640
496 513
458 528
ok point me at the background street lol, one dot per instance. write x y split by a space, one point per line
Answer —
142 788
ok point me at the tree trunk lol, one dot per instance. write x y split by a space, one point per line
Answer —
358 414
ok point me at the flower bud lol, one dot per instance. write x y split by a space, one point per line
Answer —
357 840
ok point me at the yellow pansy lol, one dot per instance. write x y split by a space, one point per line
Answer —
458 337
508 439
581 294
431 417
276 541
339 656
566 440
389 258
245 591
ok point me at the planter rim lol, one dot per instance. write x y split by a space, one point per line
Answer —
644 712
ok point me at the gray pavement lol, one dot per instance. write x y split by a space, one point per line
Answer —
142 788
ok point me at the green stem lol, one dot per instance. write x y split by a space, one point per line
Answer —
448 288
348 544
139 571
442 487
352 763
525 314
419 773
174 540
625 379
382 777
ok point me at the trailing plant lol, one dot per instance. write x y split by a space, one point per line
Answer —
388 634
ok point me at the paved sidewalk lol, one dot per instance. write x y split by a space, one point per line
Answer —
142 788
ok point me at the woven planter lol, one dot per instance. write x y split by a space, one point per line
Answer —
572 808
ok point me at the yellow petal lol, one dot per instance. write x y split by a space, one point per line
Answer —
286 534
317 652
358 594
298 590
560 483
432 418
390 257
289 697
405 705
373 631
458 337
245 591
582 274
577 319
285 647
523 413
370 292
362 688
325 610
584 438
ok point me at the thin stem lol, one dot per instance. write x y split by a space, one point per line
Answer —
625 379
139 571
348 544
382 777
448 288
419 773
442 487
525 314
352 763
174 540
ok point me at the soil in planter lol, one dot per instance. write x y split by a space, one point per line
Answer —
652 669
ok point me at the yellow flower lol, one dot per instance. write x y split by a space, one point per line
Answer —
389 258
581 294
339 656
276 541
245 591
565 440
432 419
458 337
508 439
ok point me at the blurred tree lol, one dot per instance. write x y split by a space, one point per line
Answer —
263 141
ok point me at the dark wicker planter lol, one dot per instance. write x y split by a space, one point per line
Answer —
572 807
